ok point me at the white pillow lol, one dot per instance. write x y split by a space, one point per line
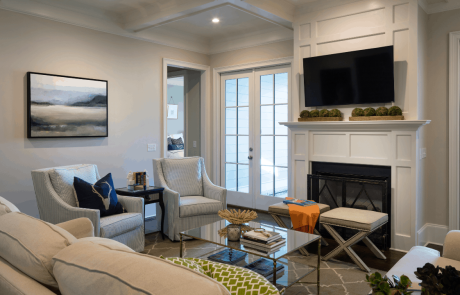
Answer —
176 136
7 207
29 244
92 269
62 180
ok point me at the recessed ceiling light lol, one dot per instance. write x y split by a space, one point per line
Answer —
215 20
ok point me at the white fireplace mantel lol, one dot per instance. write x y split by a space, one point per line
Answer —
386 143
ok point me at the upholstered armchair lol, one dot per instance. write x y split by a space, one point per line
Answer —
191 199
57 203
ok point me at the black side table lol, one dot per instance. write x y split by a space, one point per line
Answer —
146 195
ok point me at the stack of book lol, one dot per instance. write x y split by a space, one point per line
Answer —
264 243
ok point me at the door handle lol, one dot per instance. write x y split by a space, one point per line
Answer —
250 157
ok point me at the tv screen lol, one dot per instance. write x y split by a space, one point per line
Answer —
357 77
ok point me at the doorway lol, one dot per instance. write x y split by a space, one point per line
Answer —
254 147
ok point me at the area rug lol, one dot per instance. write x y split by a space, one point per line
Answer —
337 278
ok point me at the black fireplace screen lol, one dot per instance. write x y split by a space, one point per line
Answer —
353 191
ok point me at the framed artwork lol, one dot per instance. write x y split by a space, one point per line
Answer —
172 111
63 106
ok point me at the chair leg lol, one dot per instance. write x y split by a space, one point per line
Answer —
374 248
279 221
323 241
346 246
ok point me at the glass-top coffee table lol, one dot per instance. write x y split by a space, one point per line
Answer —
294 241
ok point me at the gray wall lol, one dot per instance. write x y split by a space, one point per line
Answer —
193 117
134 71
436 109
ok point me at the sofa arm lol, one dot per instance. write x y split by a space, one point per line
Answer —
451 245
79 228
212 191
132 204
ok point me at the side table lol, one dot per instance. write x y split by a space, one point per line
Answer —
146 195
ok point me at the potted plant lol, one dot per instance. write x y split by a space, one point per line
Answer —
438 280
384 286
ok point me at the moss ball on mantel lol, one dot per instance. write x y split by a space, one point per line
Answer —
357 112
368 112
305 114
395 111
381 111
335 113
324 113
314 113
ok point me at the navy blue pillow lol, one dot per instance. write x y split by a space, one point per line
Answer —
100 196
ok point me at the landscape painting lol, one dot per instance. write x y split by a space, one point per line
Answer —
62 106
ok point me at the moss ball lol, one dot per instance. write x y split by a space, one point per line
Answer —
395 111
324 113
335 113
369 112
314 113
381 111
305 114
357 112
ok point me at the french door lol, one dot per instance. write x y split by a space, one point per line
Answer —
254 154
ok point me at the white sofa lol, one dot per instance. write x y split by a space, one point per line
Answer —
418 256
39 258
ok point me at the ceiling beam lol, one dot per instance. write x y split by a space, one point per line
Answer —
133 22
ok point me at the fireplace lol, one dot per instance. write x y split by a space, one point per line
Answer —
365 187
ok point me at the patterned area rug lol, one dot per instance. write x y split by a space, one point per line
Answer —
337 278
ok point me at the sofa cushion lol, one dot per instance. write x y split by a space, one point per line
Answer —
29 244
198 205
108 243
281 208
7 207
62 180
88 268
15 282
118 224
183 176
354 218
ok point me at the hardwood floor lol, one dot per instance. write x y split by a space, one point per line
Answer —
364 253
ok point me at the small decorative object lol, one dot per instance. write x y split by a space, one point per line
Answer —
234 232
395 111
314 113
384 286
130 181
335 113
244 228
138 180
438 280
369 112
381 111
63 106
172 109
305 114
237 217
324 113
357 112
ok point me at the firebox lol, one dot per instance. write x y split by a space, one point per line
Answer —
365 187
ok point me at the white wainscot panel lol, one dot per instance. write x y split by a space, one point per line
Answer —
357 24
403 148
300 180
400 13
299 144
332 145
403 204
401 55
360 43
304 32
373 146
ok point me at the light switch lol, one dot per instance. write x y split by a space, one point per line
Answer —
422 153
151 147
194 143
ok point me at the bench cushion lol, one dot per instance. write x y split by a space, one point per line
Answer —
198 205
281 208
365 220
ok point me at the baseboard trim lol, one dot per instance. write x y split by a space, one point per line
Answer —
432 233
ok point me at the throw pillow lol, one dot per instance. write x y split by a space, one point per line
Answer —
177 141
100 195
169 140
187 262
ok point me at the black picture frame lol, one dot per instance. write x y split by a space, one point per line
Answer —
30 122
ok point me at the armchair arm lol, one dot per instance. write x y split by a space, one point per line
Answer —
132 204
211 190
79 228
451 245
53 209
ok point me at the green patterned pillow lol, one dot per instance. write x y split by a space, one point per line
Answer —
189 263
238 280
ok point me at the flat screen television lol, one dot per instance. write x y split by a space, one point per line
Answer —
357 77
